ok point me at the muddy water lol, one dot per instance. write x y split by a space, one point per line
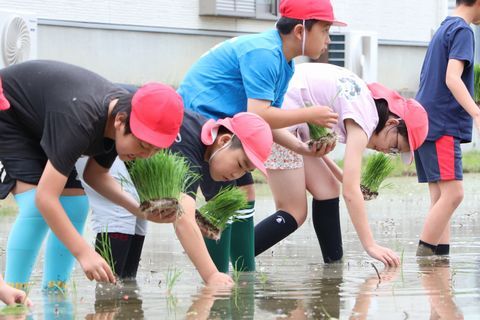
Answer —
291 281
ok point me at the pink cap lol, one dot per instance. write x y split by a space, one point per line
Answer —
412 112
309 9
4 104
254 133
157 114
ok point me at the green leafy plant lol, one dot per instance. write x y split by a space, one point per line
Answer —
213 216
377 169
160 180
104 248
171 278
476 83
321 134
17 309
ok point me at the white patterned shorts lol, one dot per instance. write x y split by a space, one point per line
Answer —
282 158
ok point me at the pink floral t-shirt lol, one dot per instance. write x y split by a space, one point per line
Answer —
336 87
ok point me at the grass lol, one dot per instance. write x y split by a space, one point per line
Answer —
221 208
476 83
17 309
105 249
316 132
171 278
165 175
377 169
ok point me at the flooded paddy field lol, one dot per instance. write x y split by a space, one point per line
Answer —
291 281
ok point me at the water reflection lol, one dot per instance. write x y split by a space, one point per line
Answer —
291 281
436 279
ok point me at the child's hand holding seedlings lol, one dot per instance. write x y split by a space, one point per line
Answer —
383 254
219 279
94 266
323 116
11 295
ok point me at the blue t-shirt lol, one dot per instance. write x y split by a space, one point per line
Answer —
453 40
252 66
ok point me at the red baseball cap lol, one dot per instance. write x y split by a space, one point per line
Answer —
309 9
410 110
157 114
4 104
254 133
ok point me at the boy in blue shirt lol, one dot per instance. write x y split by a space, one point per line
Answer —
446 89
251 73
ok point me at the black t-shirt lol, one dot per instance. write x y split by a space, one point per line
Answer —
189 145
58 110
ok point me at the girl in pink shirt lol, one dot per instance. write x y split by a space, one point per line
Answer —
370 116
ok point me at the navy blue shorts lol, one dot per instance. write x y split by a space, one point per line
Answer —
439 160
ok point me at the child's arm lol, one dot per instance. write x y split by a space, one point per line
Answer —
356 144
281 118
49 189
334 168
11 295
103 183
455 84
286 139
192 241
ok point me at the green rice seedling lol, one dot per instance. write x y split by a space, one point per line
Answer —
236 272
212 217
320 135
104 248
378 167
171 278
476 83
17 309
263 278
160 181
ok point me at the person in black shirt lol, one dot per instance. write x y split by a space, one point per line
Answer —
219 152
53 113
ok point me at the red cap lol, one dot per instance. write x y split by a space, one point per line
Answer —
412 112
309 9
157 114
4 104
254 133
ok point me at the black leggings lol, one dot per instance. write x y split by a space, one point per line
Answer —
126 252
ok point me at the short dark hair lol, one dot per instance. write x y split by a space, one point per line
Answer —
285 25
383 114
236 143
468 3
124 104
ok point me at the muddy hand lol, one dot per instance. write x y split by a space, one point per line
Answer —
321 149
383 254
11 295
323 116
219 279
162 215
95 267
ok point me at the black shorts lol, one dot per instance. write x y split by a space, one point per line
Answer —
28 171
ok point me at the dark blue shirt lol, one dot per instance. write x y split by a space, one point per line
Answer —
453 40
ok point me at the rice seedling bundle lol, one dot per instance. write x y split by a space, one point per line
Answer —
213 217
160 181
377 169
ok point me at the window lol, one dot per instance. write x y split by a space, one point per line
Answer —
259 9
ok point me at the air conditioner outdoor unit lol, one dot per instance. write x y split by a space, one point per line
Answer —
18 37
356 51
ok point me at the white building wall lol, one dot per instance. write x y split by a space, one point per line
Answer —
103 35
406 20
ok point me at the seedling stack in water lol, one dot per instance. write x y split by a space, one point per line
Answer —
213 217
378 167
160 181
